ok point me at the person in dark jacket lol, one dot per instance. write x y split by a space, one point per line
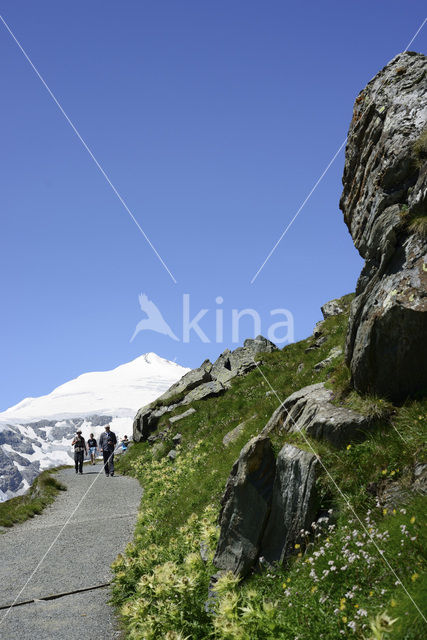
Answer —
80 449
107 444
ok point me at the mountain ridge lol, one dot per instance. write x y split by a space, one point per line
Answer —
35 433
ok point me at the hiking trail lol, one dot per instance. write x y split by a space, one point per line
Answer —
67 597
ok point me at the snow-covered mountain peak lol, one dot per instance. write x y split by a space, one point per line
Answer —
122 390
36 433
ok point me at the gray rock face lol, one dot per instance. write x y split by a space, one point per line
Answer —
265 505
246 507
207 381
334 353
332 308
181 416
310 410
238 362
387 335
420 478
146 420
206 390
177 439
393 493
235 433
294 505
189 381
258 345
11 478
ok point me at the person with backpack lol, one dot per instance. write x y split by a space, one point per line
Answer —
125 443
91 443
107 443
80 449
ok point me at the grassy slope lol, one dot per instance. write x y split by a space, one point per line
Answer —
41 493
339 584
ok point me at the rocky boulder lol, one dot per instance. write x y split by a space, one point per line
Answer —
189 381
332 308
310 410
204 391
238 362
385 186
208 380
334 353
294 505
245 507
235 433
181 416
265 505
147 419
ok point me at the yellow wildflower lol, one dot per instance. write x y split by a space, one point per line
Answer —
371 593
297 546
384 471
344 619
415 576
284 585
393 603
348 447
412 520
314 589
384 512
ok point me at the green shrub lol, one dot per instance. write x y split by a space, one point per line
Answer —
42 492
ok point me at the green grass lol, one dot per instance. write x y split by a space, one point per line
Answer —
161 584
418 225
41 493
420 149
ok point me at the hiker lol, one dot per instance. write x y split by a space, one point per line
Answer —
125 443
80 449
92 444
107 443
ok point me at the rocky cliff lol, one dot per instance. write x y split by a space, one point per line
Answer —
207 381
384 202
320 483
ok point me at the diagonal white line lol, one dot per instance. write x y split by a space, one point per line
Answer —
419 29
52 95
54 542
346 500
318 182
298 212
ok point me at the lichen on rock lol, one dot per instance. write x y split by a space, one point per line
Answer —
385 186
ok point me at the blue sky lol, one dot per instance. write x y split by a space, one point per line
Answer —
213 120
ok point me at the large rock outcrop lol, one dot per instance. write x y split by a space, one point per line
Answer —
265 505
385 187
294 505
311 411
206 381
245 507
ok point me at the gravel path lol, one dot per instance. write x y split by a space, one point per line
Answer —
79 559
